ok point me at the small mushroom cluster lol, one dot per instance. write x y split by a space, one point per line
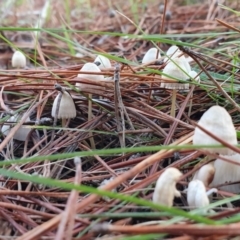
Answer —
217 121
63 105
100 63
219 174
177 69
165 190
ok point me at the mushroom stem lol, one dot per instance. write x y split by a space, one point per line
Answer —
90 116
64 121
89 107
211 191
190 105
173 106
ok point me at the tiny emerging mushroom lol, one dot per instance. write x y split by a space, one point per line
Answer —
102 62
18 60
177 68
165 188
196 194
168 15
63 105
151 55
221 174
161 8
111 13
22 133
205 174
217 121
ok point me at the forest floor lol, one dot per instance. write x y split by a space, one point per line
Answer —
124 134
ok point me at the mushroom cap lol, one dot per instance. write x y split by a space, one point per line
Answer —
89 67
227 172
205 174
177 70
150 55
173 52
18 60
67 107
165 189
173 49
193 75
22 132
104 62
217 121
171 174
196 194
186 64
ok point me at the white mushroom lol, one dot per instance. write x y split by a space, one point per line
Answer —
21 134
205 174
67 107
196 194
217 121
19 60
89 67
227 172
165 189
221 172
172 52
194 75
151 55
102 62
178 68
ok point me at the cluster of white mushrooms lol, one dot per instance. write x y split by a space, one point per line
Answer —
219 173
19 61
63 105
216 120
177 70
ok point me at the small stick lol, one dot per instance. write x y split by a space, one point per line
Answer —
173 106
67 221
174 229
90 116
119 106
